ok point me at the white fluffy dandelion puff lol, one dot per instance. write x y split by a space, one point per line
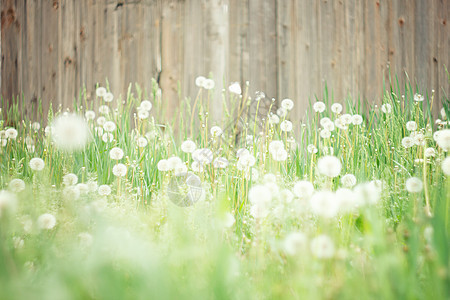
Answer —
70 132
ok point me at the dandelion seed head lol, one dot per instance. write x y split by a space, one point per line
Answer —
120 170
104 190
386 108
11 133
411 125
16 185
322 247
109 126
200 81
37 164
443 139
446 166
216 131
146 105
414 185
70 179
303 189
116 153
287 104
329 166
46 221
348 180
8 202
418 97
357 119
319 107
188 146
336 108
295 243
208 84
70 132
100 92
108 97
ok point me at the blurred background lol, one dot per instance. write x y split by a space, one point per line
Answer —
51 49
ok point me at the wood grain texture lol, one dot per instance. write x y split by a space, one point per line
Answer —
51 49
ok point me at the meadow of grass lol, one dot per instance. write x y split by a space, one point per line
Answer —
353 202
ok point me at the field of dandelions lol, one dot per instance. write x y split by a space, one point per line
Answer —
108 200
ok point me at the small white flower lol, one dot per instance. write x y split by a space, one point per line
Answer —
312 149
89 114
11 133
329 166
446 166
319 107
336 108
287 104
203 156
259 194
274 147
281 112
200 81
208 84
407 142
429 152
324 204
228 220
70 132
411 125
107 137
418 97
286 126
244 152
188 146
116 153
101 121
109 126
174 162
235 88
103 109
197 167
414 185
85 239
70 179
216 131
146 105
83 188
443 139
16 185
109 97
37 164
120 170
303 189
274 119
322 247
280 155
341 123
141 142
357 119
348 180
104 190
100 92
143 114
8 201
46 221
386 108
419 139
36 126
221 163
295 243
164 165
346 119
325 134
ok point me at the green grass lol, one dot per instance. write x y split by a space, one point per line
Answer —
145 247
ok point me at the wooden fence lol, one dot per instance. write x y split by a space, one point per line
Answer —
50 49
